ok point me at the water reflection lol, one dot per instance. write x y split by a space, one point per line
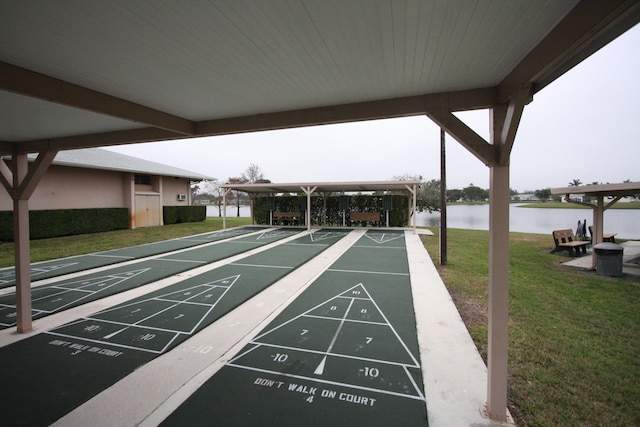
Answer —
625 222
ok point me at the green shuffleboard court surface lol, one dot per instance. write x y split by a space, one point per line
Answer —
62 295
46 376
59 267
345 352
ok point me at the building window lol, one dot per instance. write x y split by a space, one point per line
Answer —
143 179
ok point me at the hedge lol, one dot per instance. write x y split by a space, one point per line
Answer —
66 222
178 214
398 216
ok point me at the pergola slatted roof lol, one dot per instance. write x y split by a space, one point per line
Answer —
323 187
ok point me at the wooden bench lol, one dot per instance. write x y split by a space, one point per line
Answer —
287 217
372 217
606 237
564 239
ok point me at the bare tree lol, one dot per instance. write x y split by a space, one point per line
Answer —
216 191
252 174
237 180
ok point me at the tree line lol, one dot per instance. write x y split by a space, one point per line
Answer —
428 197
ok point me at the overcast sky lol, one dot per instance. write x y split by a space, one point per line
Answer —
584 126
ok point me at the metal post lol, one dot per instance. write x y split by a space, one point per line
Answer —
443 200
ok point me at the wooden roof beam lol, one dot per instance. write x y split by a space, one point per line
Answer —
371 110
29 83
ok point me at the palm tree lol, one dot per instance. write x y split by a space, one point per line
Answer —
575 183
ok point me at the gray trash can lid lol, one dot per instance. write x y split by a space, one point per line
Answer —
608 246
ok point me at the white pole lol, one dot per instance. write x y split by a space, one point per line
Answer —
224 208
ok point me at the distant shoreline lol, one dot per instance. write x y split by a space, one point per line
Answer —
554 205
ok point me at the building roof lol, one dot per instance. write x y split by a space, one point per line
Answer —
79 74
324 187
97 158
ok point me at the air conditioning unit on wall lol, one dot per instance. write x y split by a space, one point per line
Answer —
182 197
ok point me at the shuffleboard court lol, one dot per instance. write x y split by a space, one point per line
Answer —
59 267
344 352
62 295
94 352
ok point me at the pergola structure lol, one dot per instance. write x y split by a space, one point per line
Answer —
599 192
79 74
324 188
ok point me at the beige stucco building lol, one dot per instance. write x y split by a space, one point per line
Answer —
97 178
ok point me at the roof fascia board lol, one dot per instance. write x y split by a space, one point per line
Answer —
29 83
390 108
556 53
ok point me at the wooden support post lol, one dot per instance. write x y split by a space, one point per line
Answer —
22 253
308 190
498 293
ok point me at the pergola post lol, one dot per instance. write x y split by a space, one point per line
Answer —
308 190
22 253
224 207
413 190
505 118
498 293
20 183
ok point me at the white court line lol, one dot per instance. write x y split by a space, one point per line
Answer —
182 260
368 322
306 244
336 383
391 327
339 355
175 303
379 247
367 272
262 266
110 256
320 368
146 350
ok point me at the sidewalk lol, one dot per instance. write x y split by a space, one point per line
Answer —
630 259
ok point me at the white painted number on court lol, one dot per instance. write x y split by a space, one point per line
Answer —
280 357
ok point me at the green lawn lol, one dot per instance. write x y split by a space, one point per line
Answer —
574 336
60 247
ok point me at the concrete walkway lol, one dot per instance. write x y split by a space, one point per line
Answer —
454 375
630 259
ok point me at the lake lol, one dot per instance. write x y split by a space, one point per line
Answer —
625 222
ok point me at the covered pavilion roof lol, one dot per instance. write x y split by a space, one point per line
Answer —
79 74
323 187
614 190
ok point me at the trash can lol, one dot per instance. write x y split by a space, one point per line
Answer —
608 259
